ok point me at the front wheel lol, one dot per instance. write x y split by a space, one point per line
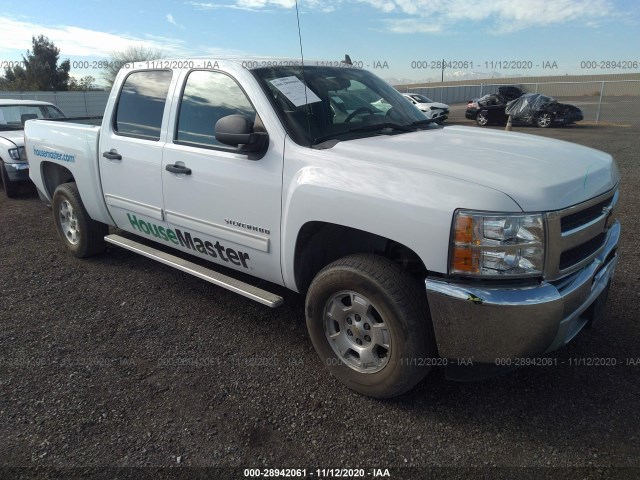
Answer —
544 120
82 235
369 323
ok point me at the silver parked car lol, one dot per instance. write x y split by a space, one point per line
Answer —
14 167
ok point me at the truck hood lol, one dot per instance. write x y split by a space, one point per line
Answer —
14 136
538 173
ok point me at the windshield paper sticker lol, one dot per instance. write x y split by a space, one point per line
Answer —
295 90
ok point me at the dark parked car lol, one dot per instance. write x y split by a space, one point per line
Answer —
528 108
487 109
490 108
543 111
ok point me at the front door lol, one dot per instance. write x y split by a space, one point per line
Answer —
221 204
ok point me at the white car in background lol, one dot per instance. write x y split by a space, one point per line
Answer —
438 112
14 167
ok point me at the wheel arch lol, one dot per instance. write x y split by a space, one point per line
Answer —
319 243
54 175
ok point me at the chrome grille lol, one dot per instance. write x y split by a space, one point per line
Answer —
576 234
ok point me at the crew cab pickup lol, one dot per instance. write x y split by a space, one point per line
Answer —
415 245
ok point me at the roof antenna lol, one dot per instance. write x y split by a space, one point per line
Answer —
304 80
347 60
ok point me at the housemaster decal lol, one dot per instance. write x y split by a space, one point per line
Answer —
185 239
53 155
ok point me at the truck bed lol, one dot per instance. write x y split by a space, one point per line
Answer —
70 147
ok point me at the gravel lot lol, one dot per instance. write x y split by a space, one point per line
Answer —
119 361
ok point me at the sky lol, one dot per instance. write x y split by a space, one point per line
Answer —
400 40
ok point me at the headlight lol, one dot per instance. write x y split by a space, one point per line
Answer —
489 244
13 153
18 153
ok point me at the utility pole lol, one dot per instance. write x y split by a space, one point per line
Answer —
442 77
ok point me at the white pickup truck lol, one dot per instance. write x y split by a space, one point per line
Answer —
416 245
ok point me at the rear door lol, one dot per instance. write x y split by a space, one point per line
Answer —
227 206
131 144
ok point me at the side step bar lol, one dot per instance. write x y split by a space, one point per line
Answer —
254 293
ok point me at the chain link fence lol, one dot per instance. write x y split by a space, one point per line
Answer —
607 101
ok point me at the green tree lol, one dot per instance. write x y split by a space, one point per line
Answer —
41 70
118 59
85 83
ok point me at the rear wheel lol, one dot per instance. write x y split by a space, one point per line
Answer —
82 235
482 119
544 120
369 323
10 188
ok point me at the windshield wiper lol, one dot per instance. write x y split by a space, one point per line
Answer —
374 127
319 142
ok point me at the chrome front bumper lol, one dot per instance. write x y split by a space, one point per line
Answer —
485 324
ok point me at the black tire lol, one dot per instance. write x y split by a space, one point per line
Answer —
544 120
482 119
82 235
11 189
394 298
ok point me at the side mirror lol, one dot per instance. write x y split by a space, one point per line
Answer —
237 131
27 116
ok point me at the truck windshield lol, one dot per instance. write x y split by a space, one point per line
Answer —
339 103
12 117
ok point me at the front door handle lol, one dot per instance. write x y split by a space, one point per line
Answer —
175 168
112 155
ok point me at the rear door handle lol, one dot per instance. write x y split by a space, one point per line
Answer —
175 168
112 155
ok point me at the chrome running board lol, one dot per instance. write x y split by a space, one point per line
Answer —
254 293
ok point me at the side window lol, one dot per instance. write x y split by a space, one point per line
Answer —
141 104
207 97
